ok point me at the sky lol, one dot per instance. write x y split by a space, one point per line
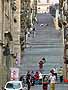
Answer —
52 1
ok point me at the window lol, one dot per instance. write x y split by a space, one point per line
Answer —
13 85
16 85
9 85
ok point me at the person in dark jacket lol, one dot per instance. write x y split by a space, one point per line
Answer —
28 80
32 78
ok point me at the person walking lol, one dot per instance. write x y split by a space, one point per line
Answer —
32 78
50 74
45 82
44 60
41 63
60 72
33 32
22 79
55 71
52 79
28 80
40 78
36 77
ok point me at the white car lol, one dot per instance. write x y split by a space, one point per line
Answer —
15 85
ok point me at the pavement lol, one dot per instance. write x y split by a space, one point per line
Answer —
57 87
45 42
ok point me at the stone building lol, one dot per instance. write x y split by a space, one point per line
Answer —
6 39
63 11
15 22
65 25
1 38
9 37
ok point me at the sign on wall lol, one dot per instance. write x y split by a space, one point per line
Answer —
14 74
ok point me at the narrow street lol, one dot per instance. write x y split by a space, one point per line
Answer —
33 44
47 42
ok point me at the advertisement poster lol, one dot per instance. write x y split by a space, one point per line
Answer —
14 74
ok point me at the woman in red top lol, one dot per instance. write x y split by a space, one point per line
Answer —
36 76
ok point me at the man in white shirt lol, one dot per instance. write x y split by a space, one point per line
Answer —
55 71
52 79
40 78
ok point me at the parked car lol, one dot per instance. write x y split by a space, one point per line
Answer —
15 85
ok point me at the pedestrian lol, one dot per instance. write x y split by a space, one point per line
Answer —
45 82
52 79
40 78
28 75
36 77
28 34
44 60
28 80
50 74
32 78
60 72
33 32
55 71
21 78
32 73
41 65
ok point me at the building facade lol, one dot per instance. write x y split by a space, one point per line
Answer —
15 23
1 37
6 39
63 23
